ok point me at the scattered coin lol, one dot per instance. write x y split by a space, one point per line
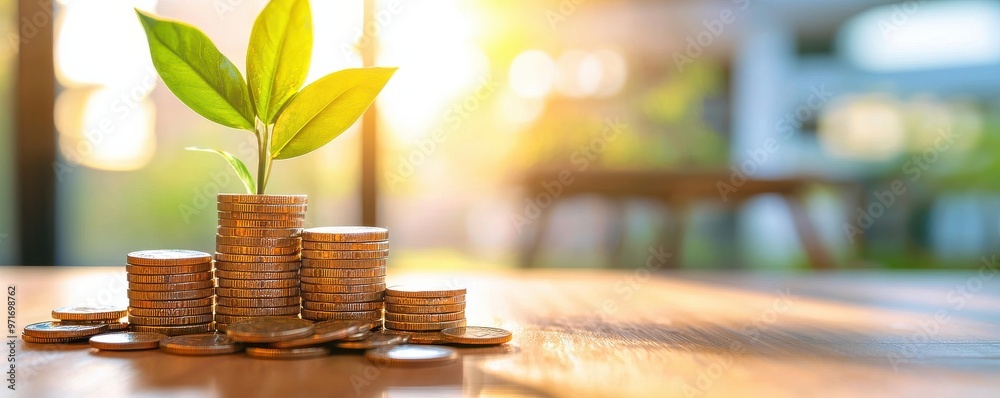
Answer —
424 309
126 341
376 339
168 257
423 326
177 295
358 336
165 269
325 332
341 246
287 353
423 291
443 317
173 330
89 313
345 234
45 340
270 329
344 255
170 278
164 287
59 330
477 335
262 199
334 263
314 288
426 338
412 355
200 344
460 299
113 326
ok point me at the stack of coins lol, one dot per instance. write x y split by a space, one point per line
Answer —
170 291
343 273
421 309
257 256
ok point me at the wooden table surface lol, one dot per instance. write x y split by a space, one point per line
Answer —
581 333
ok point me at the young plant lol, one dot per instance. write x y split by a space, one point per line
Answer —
286 121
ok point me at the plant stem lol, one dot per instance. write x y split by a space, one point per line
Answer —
263 156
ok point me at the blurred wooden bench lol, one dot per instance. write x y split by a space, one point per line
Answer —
678 191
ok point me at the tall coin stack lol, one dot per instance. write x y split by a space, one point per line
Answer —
343 273
170 291
422 309
257 256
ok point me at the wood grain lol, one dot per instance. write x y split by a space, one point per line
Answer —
592 334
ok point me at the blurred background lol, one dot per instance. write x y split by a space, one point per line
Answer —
760 134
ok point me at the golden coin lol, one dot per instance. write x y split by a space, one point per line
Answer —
412 355
246 258
381 338
201 302
426 338
258 283
258 267
424 326
342 297
256 293
170 312
343 281
322 306
176 295
346 234
287 353
50 340
223 274
424 291
262 199
170 278
325 332
113 326
312 288
167 270
259 232
344 255
258 311
166 287
460 299
342 272
200 344
174 330
253 215
341 246
168 257
254 241
450 316
126 341
82 313
59 330
341 315
169 320
257 250
270 329
261 223
424 309
334 263
256 302
262 208
477 335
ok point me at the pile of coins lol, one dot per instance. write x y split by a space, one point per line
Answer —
74 324
170 291
343 273
257 256
415 309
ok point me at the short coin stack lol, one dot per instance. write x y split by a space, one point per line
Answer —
343 273
419 309
257 256
170 291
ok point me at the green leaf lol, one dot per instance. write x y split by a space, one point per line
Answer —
238 166
197 73
324 109
278 55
